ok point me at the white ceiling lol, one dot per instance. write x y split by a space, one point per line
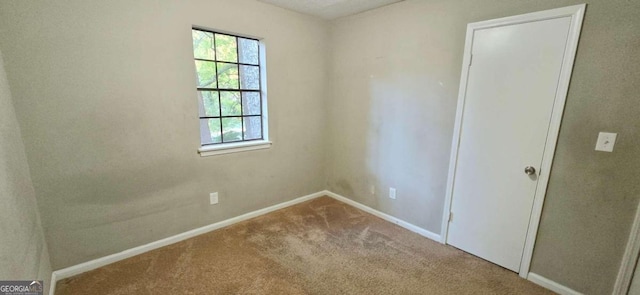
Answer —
330 9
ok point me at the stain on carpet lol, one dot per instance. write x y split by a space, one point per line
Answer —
322 246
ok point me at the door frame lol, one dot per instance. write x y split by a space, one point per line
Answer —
576 12
629 259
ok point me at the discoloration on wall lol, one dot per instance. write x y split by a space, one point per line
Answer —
108 105
344 186
395 77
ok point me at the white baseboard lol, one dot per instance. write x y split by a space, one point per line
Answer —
52 288
551 285
100 262
535 278
414 228
96 263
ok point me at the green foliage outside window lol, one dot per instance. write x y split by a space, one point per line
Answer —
225 65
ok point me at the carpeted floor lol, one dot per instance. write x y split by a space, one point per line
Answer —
321 246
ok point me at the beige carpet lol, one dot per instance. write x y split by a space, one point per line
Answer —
318 247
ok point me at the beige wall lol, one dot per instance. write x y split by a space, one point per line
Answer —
395 73
105 95
23 250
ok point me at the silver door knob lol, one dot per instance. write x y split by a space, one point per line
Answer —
529 170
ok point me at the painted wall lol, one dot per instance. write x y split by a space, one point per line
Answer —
23 250
105 95
395 73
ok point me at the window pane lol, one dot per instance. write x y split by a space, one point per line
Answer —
248 50
206 72
230 102
252 128
231 129
251 103
230 105
227 76
249 77
203 44
210 131
226 48
209 104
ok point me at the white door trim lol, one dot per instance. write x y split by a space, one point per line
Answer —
629 259
576 13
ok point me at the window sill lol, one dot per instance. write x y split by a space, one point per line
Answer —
229 148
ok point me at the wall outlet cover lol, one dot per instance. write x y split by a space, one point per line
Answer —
213 198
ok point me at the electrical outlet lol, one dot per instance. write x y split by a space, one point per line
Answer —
213 198
372 190
392 193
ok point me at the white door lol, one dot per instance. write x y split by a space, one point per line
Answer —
511 86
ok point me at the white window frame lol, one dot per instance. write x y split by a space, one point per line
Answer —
243 146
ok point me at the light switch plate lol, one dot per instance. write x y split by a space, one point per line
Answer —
606 141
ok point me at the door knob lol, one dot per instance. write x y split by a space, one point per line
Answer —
529 170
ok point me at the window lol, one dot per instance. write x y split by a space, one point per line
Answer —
229 89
